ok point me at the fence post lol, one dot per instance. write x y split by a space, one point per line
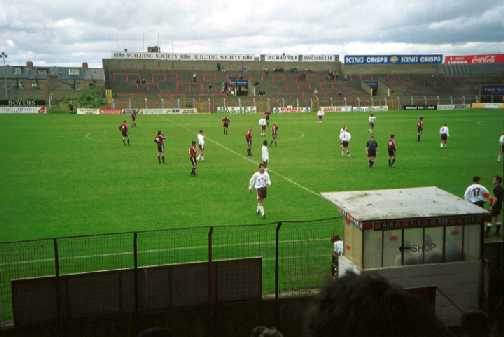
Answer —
58 288
135 268
277 283
210 266
277 239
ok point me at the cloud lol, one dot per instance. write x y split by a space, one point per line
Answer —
70 32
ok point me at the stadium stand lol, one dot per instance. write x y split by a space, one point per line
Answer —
207 84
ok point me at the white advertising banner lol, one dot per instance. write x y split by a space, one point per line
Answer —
184 57
22 109
375 108
290 108
343 108
88 111
237 109
175 111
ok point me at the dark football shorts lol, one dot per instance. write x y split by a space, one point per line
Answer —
391 153
345 143
124 134
495 211
419 129
263 127
160 148
261 193
371 153
193 161
371 125
502 148
444 136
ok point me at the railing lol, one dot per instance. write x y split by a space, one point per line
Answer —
296 255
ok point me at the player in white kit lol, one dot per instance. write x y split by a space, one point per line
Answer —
263 123
444 133
372 122
260 181
265 153
476 193
201 145
345 138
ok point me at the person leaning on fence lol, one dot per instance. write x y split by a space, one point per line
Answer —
337 252
369 306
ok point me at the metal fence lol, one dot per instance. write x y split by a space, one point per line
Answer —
296 255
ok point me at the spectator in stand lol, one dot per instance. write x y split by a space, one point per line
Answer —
369 306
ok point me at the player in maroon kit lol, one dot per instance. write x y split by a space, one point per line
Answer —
123 128
419 126
248 139
192 157
133 118
225 123
160 140
274 134
392 148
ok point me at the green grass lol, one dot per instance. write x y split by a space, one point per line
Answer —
65 175
70 175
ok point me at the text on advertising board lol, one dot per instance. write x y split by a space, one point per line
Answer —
394 59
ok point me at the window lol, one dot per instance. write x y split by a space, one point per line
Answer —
472 242
453 248
413 246
392 241
433 245
372 249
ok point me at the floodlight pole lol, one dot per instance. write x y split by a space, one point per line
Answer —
3 55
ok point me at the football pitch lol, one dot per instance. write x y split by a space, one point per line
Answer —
67 175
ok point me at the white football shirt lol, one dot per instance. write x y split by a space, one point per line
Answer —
501 140
262 122
260 180
372 119
474 193
444 131
201 139
264 153
345 136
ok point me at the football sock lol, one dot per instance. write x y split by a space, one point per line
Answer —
389 163
163 159
128 142
393 162
370 163
159 159
418 137
258 209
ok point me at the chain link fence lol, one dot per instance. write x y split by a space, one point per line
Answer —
296 255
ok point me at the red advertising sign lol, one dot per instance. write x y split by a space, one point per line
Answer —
475 59
109 111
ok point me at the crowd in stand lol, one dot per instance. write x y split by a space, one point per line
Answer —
369 306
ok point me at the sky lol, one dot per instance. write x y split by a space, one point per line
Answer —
69 32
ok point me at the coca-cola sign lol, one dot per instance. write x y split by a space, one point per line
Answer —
475 59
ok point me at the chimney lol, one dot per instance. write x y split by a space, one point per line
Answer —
84 65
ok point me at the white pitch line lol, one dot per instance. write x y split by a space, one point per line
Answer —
270 170
151 251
